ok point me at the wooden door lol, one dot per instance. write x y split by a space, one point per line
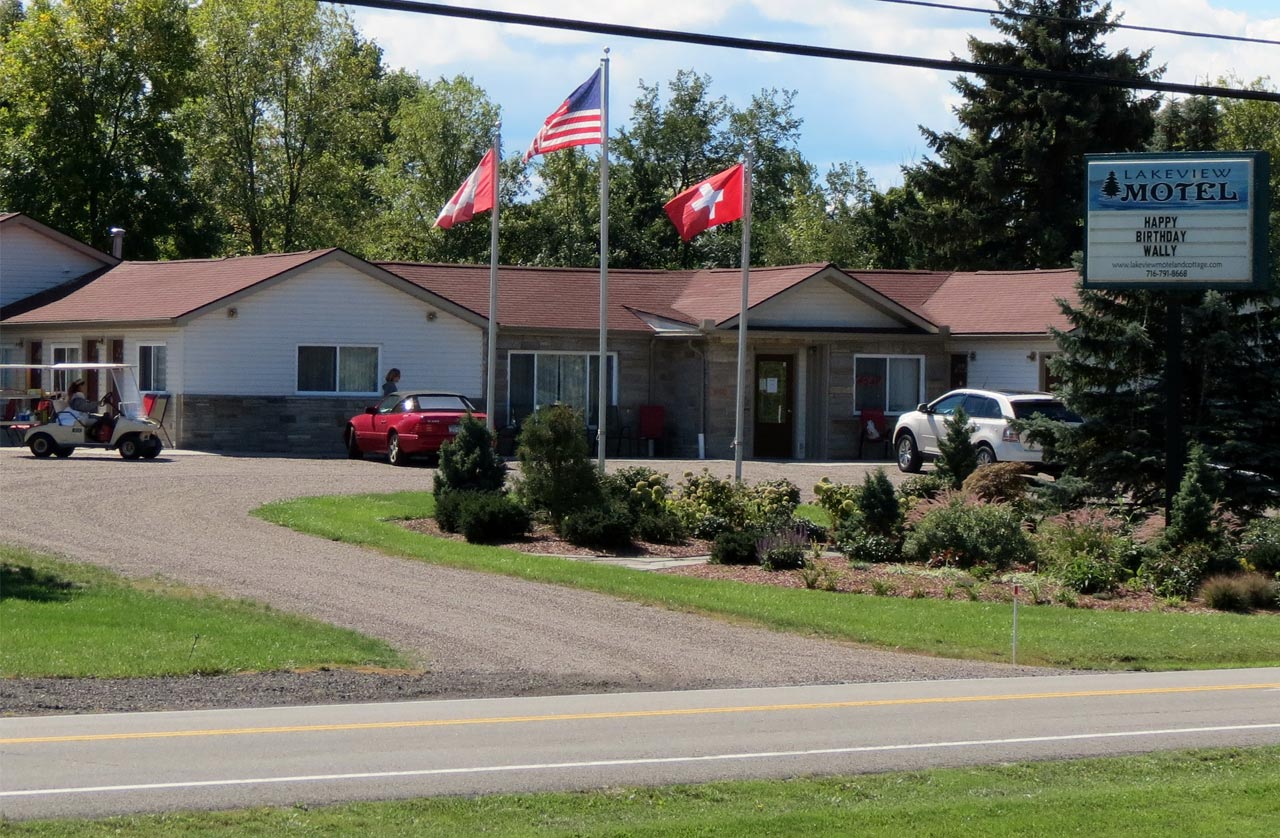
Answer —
774 425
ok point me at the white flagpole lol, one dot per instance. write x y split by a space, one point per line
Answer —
491 373
738 441
602 397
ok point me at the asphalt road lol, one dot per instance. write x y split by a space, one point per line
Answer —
88 766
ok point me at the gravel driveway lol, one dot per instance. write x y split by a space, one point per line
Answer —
185 516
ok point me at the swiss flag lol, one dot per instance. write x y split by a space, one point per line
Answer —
473 196
717 200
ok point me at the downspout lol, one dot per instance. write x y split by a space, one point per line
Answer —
702 400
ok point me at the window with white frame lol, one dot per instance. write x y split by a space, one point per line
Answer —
64 353
337 369
536 379
892 383
152 377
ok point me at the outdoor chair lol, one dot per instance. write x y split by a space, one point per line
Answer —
874 433
159 408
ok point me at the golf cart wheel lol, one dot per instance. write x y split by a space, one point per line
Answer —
41 445
353 447
152 449
63 451
130 447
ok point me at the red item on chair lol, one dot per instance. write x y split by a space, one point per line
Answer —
653 420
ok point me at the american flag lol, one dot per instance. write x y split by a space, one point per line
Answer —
576 122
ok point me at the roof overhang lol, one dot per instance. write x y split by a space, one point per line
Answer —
61 238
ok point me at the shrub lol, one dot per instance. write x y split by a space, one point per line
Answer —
870 548
448 510
1225 593
704 496
735 547
878 503
782 550
1062 495
557 476
770 504
643 490
659 527
1086 550
998 482
1191 516
840 500
490 516
469 461
1176 573
709 526
1260 546
967 535
923 486
957 455
606 526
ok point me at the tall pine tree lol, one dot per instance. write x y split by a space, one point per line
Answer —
1006 190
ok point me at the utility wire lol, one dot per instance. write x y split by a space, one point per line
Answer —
784 48
1076 22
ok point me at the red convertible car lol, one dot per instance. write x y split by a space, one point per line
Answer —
405 425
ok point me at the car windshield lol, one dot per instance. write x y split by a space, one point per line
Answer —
1048 409
443 402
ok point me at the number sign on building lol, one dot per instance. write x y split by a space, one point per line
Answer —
1177 220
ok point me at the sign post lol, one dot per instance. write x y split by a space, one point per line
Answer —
1191 221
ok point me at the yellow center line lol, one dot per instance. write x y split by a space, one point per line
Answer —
625 714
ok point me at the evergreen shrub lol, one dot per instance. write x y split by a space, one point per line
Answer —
557 475
736 547
965 535
469 461
489 517
878 503
957 455
606 526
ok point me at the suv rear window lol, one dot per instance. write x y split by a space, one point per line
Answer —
1048 409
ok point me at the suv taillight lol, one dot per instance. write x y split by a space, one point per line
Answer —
1010 435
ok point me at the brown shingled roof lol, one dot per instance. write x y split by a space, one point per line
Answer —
141 291
1003 302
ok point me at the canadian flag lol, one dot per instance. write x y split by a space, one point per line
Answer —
473 196
717 200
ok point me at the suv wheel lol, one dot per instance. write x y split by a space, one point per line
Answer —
909 459
985 455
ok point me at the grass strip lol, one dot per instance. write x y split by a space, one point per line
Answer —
1224 792
1048 635
73 620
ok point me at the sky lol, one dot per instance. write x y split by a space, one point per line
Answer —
852 111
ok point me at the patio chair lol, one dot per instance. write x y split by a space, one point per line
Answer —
159 408
874 432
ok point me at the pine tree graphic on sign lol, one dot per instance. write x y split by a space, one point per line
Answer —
1111 186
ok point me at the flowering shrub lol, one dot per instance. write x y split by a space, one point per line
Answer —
840 500
1086 550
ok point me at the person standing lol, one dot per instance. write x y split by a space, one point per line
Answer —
392 382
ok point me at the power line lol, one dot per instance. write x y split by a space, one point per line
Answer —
784 48
1076 22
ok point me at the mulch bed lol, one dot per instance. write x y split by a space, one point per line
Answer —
836 574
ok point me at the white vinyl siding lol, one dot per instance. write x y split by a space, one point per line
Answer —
255 353
32 262
817 304
1005 366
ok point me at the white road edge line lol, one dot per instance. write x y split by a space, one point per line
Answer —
551 766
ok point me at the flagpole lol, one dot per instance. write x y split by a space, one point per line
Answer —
491 373
602 400
740 417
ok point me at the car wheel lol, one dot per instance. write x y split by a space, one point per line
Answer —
394 455
909 459
63 450
985 455
353 446
130 447
152 450
41 445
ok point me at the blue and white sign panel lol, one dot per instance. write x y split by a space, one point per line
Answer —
1193 220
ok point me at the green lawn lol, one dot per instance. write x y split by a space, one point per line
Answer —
61 619
1048 635
1188 794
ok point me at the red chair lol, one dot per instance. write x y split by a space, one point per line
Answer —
874 430
653 424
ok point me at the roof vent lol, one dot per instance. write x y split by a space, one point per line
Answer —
708 324
117 241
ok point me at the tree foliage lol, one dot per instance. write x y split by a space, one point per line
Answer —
1005 191
89 91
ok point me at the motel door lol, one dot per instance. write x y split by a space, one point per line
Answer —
774 429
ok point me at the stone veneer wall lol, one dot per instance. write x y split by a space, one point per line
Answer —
310 426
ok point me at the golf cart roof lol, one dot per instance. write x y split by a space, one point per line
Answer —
66 366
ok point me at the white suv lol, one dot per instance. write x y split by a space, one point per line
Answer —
915 437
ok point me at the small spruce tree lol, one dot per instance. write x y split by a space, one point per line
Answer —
958 458
1191 516
469 462
878 503
558 477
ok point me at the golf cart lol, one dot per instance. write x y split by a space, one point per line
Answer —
121 426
